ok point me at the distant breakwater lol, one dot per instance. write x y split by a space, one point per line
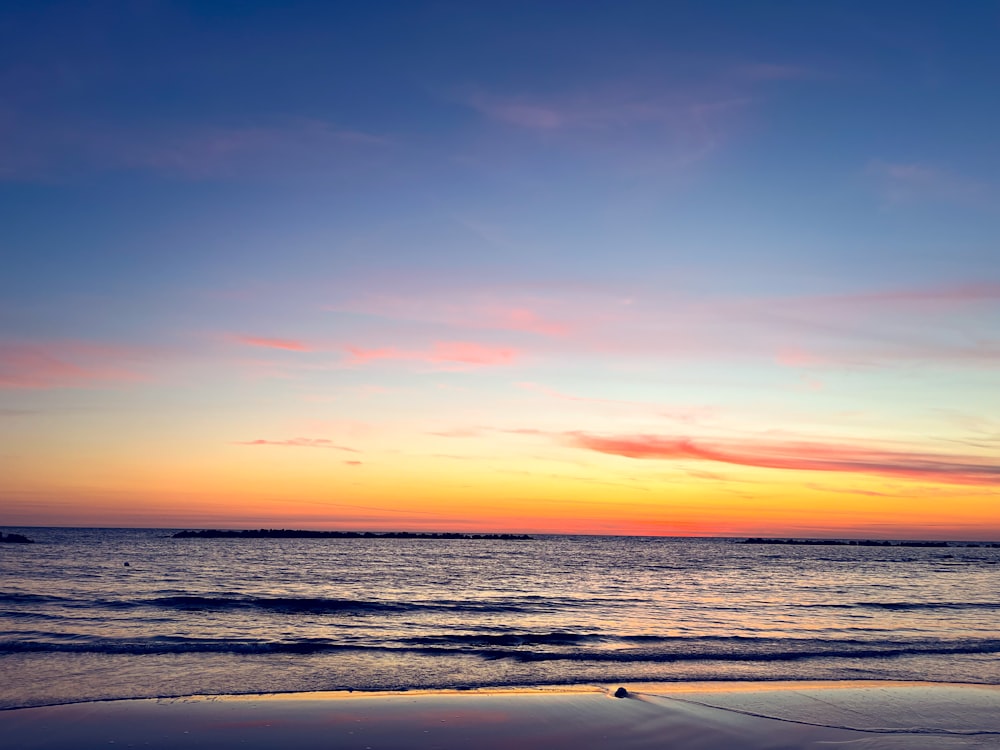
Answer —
869 543
304 534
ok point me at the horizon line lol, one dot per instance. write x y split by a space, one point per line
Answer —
545 533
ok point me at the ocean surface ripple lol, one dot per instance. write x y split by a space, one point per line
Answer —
196 616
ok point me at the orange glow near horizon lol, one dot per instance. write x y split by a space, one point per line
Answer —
585 500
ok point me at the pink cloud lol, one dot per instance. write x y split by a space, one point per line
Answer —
442 352
470 353
523 319
796 357
473 312
291 345
798 456
300 443
361 356
946 324
67 364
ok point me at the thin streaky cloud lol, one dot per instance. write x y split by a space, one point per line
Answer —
852 329
796 456
969 292
458 432
441 353
300 443
618 121
43 150
473 312
763 71
595 110
69 364
291 345
901 183
678 413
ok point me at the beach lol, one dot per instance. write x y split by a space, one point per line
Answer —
680 716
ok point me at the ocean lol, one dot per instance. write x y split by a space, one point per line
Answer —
226 616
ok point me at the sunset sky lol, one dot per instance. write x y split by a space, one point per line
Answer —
666 268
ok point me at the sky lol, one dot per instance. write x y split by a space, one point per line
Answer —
685 268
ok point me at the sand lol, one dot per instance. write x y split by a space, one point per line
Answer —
682 716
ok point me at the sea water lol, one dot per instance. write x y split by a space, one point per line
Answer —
214 616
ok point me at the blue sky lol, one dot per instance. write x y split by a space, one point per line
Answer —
281 224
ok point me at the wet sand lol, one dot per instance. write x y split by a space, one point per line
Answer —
679 716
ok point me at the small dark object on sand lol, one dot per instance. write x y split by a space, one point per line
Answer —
621 693
126 565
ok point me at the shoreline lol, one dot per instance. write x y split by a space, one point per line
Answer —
637 686
692 715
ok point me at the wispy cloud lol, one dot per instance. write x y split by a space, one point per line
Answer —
470 353
458 432
687 414
441 353
291 345
639 121
478 310
300 442
523 319
947 325
765 71
40 149
68 364
969 292
637 127
609 108
913 182
797 456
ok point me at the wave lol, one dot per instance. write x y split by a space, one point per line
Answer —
826 651
914 606
13 597
332 605
280 604
170 645
304 605
505 639
323 605
906 606
524 647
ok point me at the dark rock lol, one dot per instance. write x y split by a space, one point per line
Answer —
621 693
15 539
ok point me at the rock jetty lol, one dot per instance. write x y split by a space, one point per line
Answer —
15 539
301 534
867 543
